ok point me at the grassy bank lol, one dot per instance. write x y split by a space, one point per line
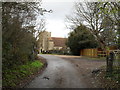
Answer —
109 80
13 77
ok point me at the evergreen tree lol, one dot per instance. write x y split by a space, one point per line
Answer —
79 39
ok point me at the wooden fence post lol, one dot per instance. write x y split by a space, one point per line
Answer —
110 59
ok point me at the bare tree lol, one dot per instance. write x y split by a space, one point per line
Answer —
91 15
40 27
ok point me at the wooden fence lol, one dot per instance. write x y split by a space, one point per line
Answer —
89 52
102 53
95 52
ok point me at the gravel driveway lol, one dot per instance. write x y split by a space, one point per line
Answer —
66 72
85 67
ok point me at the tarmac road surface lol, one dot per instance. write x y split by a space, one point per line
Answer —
59 73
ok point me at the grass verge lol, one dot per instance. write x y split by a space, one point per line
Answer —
13 77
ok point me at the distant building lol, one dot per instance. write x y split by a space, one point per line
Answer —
48 43
44 41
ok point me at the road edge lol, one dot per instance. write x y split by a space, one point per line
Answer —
29 79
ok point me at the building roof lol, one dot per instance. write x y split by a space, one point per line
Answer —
50 39
59 42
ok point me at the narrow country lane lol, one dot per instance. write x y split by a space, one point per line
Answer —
59 74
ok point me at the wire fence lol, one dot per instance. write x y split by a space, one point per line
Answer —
116 61
116 64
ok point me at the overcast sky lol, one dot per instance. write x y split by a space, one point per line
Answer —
55 22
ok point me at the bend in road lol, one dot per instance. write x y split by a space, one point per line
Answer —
59 74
